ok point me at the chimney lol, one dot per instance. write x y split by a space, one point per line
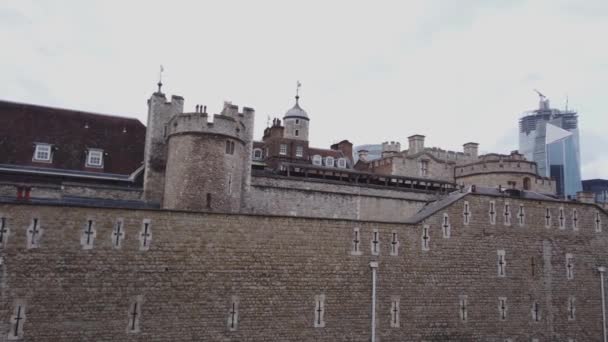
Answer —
416 144
363 155
471 148
346 147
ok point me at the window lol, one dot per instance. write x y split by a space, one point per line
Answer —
317 160
229 147
42 153
424 168
283 149
297 132
527 183
95 158
299 150
257 154
342 163
329 161
297 122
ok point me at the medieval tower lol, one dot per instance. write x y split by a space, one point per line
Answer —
160 111
194 163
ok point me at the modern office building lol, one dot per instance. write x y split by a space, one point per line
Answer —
550 137
599 187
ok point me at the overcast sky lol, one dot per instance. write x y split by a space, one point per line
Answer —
455 71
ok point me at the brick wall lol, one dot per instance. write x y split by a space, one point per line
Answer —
274 267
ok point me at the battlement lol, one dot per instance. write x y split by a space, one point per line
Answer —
447 155
391 146
501 165
230 122
176 105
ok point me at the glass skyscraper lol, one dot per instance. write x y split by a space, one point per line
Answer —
550 137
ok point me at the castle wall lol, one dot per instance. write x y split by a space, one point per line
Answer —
537 184
498 172
201 175
196 265
72 189
411 168
281 196
497 166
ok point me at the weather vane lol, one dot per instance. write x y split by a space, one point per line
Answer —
160 77
298 86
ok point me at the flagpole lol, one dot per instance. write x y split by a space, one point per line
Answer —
564 160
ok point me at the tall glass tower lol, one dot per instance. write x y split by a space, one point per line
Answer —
550 137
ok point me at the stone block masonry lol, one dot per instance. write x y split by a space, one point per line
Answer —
202 272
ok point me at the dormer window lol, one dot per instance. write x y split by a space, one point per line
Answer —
342 163
299 151
424 168
283 149
329 161
94 158
257 154
42 153
317 160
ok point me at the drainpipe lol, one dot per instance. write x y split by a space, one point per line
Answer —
602 269
374 265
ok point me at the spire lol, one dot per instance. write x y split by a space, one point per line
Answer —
160 79
298 85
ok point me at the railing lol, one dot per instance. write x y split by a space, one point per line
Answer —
353 177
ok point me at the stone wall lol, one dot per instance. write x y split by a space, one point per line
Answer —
73 189
537 184
201 175
310 198
410 167
181 282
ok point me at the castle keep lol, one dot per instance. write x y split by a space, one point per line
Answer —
190 229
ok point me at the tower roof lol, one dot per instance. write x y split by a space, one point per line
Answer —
296 111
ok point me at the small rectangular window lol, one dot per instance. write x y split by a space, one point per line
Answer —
229 147
95 158
42 153
297 132
283 149
299 151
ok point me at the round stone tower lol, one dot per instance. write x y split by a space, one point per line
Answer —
209 163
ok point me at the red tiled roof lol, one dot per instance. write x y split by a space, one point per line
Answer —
23 125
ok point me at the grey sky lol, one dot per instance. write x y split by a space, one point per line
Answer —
455 71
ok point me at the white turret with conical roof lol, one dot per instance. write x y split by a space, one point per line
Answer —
296 120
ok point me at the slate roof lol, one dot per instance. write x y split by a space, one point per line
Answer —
433 207
71 133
